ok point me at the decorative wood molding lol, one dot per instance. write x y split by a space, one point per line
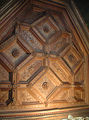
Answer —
44 55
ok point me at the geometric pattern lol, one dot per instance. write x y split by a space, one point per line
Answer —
12 52
46 29
42 65
72 57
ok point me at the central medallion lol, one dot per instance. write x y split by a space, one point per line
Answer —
45 29
15 53
45 85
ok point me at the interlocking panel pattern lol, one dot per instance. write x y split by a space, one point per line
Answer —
41 66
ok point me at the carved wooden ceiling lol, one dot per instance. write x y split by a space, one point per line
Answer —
42 64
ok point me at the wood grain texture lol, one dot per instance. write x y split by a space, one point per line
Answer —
43 65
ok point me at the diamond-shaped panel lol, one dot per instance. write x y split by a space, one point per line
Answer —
72 58
13 52
45 28
46 84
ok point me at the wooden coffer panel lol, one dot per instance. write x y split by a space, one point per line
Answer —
42 66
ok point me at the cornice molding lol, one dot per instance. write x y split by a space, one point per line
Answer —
45 114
